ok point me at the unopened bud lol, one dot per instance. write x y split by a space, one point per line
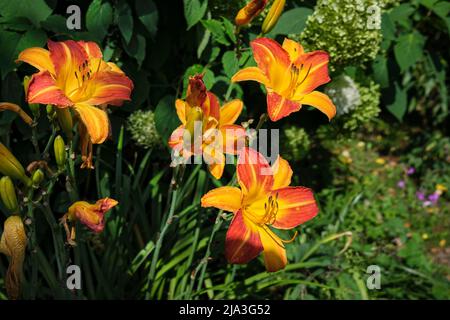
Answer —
272 17
38 177
8 195
60 152
15 108
50 111
10 166
65 121
249 12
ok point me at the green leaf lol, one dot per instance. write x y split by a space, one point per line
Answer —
98 19
34 10
380 71
229 29
136 48
148 15
217 30
230 63
409 49
13 43
124 18
398 107
194 10
291 22
401 14
166 117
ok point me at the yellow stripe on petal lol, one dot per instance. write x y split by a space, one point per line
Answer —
230 112
250 74
43 89
282 173
38 58
224 198
274 251
95 120
320 101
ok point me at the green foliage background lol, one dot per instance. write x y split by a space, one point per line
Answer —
354 164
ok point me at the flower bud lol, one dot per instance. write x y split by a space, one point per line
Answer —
60 152
38 177
15 108
13 244
34 107
272 17
249 12
8 195
10 166
50 111
65 121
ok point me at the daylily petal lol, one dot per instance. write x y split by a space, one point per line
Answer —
282 173
181 107
314 72
242 242
216 161
233 138
38 58
230 112
95 120
214 107
224 198
296 205
254 174
320 101
294 49
92 49
43 89
271 58
68 57
279 107
176 138
251 74
105 87
274 252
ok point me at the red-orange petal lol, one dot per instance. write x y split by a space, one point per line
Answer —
296 205
255 176
279 107
214 106
314 72
242 242
43 89
109 87
92 49
269 56
68 57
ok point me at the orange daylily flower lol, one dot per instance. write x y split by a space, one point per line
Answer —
290 76
263 200
91 215
217 134
73 74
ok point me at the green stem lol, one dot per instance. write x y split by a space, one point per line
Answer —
34 138
33 243
173 198
71 185
46 153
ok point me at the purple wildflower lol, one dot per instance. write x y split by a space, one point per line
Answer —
410 171
433 198
401 184
420 195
